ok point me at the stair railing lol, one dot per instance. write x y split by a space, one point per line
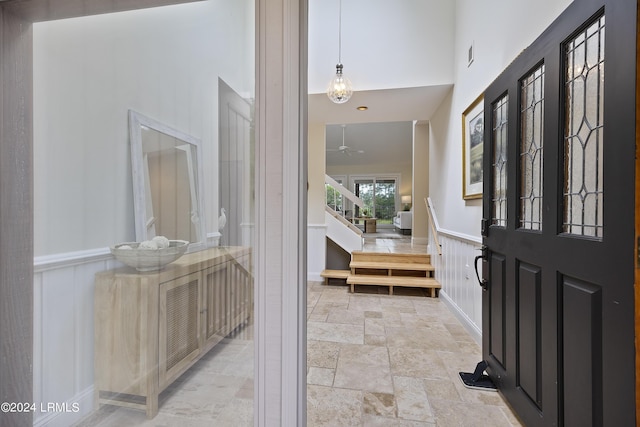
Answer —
432 222
336 186
344 221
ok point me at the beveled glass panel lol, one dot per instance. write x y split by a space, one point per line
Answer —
531 149
583 134
499 162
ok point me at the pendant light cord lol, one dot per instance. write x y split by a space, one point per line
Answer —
340 34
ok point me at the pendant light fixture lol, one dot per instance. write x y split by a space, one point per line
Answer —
339 89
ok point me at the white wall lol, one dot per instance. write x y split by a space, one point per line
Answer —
385 44
162 62
316 227
420 220
316 172
499 30
88 72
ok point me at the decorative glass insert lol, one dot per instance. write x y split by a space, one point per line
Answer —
531 143
583 134
499 162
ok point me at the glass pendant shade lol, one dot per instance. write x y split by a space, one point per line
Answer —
339 90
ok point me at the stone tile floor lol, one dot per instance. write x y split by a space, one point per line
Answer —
372 360
391 242
380 360
216 391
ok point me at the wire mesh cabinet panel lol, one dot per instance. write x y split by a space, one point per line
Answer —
151 327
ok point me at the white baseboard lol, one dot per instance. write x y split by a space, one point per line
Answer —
472 328
63 414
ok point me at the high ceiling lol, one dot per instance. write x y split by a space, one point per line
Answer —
400 58
384 142
384 131
387 105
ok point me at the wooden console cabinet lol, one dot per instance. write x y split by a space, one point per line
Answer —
151 327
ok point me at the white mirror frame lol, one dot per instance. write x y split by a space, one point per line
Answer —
139 168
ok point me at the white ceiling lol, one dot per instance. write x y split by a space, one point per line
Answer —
384 131
385 142
387 105
399 57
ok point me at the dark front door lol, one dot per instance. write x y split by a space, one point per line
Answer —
558 312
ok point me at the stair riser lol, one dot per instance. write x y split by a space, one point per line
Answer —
390 257
390 270
395 273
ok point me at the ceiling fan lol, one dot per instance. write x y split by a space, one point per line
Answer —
345 149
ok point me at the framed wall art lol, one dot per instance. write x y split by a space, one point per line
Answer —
472 148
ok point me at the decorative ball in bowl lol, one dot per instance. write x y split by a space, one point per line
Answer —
150 255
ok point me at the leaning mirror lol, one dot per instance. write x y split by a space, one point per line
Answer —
166 169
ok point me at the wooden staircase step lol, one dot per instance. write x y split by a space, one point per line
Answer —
362 256
382 265
334 274
391 281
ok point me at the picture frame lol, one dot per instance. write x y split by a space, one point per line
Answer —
472 149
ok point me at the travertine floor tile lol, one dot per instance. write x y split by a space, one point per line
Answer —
375 339
362 376
363 302
217 390
327 406
323 354
367 354
380 404
374 326
346 316
335 332
417 363
441 389
412 338
372 360
320 376
464 414
411 399
426 348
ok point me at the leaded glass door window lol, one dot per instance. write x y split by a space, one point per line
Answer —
531 145
583 134
499 163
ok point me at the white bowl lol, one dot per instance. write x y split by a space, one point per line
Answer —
149 259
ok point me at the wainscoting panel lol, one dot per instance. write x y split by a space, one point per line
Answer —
63 335
455 272
316 251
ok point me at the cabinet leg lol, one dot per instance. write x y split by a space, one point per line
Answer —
152 406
